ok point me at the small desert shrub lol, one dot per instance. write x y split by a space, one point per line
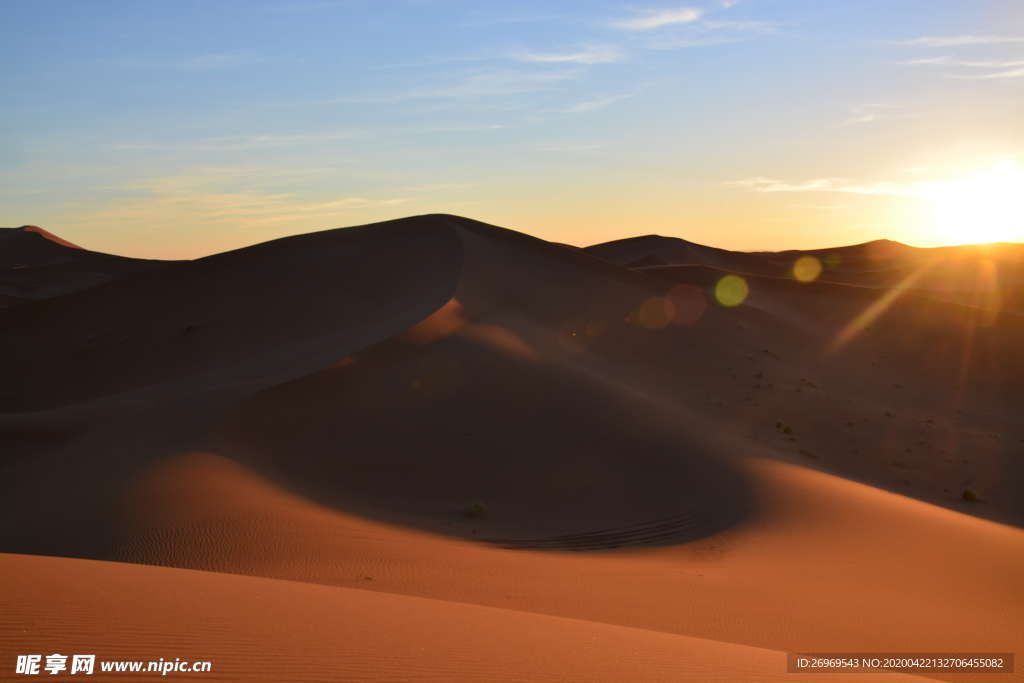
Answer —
474 510
970 496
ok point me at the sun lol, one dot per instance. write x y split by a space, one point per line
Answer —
985 206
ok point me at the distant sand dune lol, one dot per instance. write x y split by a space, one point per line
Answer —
35 264
506 459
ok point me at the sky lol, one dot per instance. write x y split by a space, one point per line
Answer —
179 129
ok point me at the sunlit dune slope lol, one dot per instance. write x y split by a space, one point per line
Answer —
821 547
259 629
49 236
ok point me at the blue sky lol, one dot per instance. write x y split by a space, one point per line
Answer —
172 129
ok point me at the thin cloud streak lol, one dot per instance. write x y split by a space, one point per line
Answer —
594 104
497 83
870 113
1011 73
596 55
974 64
221 176
570 148
467 128
773 185
709 33
952 41
653 19
325 209
239 143
438 187
227 195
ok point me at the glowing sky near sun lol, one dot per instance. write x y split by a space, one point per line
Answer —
177 129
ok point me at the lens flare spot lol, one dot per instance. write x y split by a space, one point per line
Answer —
596 328
688 304
731 290
654 313
807 269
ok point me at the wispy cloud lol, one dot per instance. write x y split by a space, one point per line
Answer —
713 32
858 118
603 54
763 184
282 212
592 54
241 196
487 83
222 179
1008 68
771 185
952 41
432 62
570 147
653 19
1009 73
239 142
871 113
437 187
821 207
972 63
927 61
593 104
462 128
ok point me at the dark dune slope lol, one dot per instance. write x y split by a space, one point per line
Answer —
35 264
975 275
401 371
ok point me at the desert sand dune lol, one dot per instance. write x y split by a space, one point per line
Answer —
867 555
653 250
45 234
970 274
233 313
36 264
546 445
921 395
286 631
